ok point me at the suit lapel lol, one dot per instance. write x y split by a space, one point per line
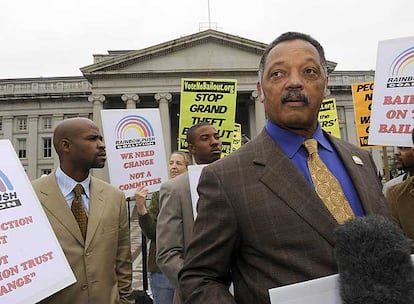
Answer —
412 186
96 210
284 179
54 202
358 171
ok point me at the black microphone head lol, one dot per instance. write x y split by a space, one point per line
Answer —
374 262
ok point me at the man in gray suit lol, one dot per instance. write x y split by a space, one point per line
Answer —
260 222
175 219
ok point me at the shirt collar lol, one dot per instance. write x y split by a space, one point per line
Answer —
291 142
322 139
66 183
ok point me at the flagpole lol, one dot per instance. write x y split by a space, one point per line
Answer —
209 20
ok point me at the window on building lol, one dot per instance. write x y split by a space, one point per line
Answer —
47 147
70 116
47 122
1 123
21 123
44 172
21 147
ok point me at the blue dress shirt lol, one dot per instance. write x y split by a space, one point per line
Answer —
291 144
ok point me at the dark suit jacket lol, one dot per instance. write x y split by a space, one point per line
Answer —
261 225
102 263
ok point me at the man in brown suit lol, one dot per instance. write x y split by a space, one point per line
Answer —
401 197
100 261
260 223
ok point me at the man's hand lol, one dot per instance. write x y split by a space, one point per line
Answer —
140 198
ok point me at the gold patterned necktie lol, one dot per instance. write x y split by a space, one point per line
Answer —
78 210
326 185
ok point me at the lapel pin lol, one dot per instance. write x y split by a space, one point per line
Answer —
357 160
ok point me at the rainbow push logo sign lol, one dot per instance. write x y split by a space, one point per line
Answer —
8 197
134 131
402 70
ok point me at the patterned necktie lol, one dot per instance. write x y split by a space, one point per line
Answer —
78 210
326 185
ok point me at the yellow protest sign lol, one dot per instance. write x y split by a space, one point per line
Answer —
209 100
328 117
362 95
236 143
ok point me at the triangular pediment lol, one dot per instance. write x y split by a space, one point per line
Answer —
204 51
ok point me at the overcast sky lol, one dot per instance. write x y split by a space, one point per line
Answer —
46 38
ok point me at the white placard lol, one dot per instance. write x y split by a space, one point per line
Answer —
32 263
194 173
135 149
392 115
322 290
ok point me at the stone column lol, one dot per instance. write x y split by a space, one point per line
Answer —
350 125
259 111
56 119
252 117
32 146
8 128
379 161
163 100
97 103
130 100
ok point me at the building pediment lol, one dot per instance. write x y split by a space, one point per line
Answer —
210 51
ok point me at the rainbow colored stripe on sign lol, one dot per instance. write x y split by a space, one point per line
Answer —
402 61
5 182
135 123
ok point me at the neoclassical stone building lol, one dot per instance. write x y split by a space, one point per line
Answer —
147 78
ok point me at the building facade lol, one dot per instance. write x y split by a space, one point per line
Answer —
30 108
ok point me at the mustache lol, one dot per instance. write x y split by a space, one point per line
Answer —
295 95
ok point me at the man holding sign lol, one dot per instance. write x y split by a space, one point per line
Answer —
89 218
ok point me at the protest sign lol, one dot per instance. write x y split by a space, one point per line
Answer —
236 143
392 116
328 117
135 149
194 172
362 95
209 100
32 263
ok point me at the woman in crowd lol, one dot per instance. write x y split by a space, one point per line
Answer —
162 290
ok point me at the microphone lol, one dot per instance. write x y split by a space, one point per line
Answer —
374 262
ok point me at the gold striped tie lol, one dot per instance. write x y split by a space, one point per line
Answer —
326 185
78 210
